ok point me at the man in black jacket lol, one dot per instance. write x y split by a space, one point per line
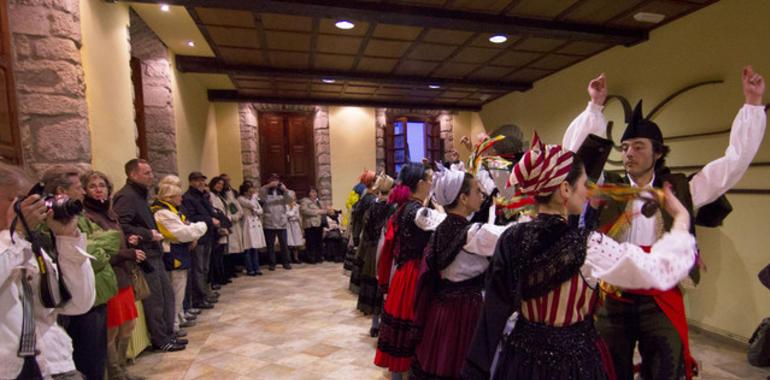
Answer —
198 208
130 203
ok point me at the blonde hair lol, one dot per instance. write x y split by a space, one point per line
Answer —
384 184
168 191
170 180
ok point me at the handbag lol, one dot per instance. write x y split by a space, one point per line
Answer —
141 287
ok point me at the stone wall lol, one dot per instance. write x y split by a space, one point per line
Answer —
249 143
158 100
323 162
381 123
50 85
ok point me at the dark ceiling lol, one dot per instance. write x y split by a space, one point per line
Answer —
418 53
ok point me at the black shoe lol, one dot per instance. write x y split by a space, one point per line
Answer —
215 294
194 311
170 347
216 286
287 266
374 332
212 300
190 317
204 305
272 267
181 341
187 323
258 273
252 274
181 333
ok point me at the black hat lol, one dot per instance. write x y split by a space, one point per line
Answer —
195 175
638 126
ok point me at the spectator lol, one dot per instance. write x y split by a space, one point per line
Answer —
135 216
198 208
216 197
121 309
33 344
253 236
88 331
313 220
294 230
234 253
276 197
179 238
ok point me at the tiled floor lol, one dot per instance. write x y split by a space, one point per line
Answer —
302 324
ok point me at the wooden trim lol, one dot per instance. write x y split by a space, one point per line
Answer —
13 152
141 128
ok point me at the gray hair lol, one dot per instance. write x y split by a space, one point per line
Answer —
13 178
59 177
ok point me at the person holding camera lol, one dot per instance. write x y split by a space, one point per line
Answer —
88 331
276 198
35 288
135 216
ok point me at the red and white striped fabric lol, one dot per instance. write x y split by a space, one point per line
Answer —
542 169
570 303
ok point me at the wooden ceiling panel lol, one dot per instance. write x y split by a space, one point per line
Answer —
334 62
399 91
338 44
383 48
289 60
555 62
541 9
431 52
276 21
483 6
416 67
454 70
397 32
289 86
455 94
583 48
288 41
327 87
490 72
291 94
257 92
360 90
475 55
216 16
515 58
238 56
326 26
539 44
599 11
239 37
376 65
444 36
528 75
254 84
672 10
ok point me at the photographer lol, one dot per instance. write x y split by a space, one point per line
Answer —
130 203
27 327
276 197
88 331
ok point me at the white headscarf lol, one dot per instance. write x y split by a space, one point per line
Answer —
446 185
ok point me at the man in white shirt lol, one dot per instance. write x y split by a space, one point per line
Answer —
654 319
32 344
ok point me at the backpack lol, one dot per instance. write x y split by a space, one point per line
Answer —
759 345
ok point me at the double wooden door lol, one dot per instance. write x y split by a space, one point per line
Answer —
286 149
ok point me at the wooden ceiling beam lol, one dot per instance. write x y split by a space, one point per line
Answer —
192 64
426 17
235 96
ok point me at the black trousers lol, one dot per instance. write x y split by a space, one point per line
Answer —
159 305
313 237
89 341
270 235
217 273
199 273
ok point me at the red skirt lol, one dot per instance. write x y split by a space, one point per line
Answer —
121 308
398 334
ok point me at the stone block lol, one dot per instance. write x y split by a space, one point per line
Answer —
57 49
161 142
22 46
50 77
66 25
66 140
159 119
44 104
157 96
162 162
30 20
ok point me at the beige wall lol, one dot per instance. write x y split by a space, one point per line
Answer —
229 141
109 92
713 43
352 144
466 124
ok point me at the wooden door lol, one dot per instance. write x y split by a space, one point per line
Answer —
10 139
286 148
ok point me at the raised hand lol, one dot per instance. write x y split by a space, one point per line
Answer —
597 89
753 86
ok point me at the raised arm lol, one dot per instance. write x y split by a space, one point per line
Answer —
746 135
591 120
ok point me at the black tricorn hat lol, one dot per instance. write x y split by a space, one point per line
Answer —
638 127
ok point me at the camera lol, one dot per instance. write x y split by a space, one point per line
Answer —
64 209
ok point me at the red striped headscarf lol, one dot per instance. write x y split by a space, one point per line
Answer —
542 169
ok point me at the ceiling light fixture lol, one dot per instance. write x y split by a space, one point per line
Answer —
344 25
328 80
165 7
191 43
648 17
434 86
498 39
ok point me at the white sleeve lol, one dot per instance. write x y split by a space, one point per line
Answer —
481 239
428 219
628 266
75 268
180 232
720 175
465 266
589 122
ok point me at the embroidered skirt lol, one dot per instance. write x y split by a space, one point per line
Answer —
398 334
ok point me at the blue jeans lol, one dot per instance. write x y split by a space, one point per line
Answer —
251 259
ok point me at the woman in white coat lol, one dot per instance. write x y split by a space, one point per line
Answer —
294 236
253 235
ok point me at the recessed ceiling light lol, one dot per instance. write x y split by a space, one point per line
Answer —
434 86
191 43
165 7
344 24
498 39
328 80
652 18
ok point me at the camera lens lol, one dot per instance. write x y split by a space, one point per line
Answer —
66 209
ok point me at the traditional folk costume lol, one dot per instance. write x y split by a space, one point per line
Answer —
449 293
658 320
356 228
406 237
547 270
369 296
